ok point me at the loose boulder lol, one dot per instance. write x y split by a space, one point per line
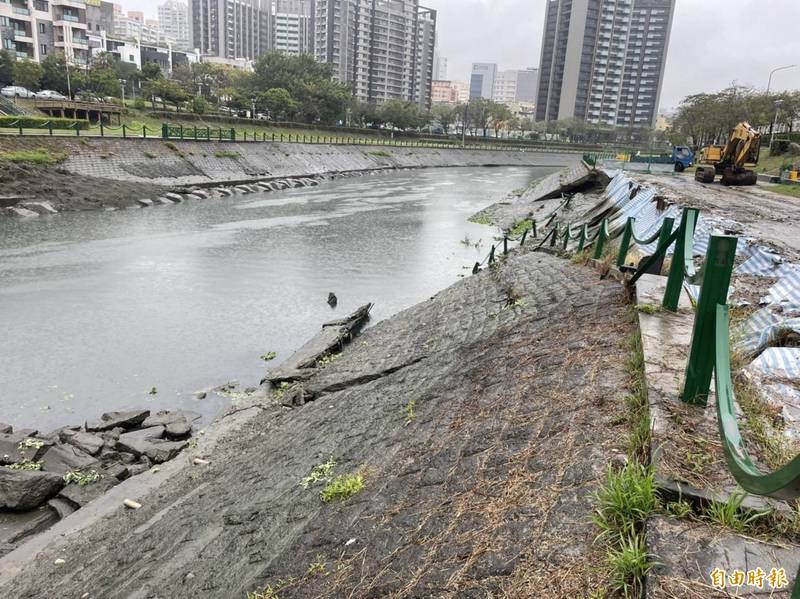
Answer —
27 489
111 420
61 459
87 442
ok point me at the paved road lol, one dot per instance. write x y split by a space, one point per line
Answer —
484 492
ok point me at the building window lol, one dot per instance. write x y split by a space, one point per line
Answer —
42 28
43 49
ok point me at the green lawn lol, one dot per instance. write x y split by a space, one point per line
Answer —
772 164
787 190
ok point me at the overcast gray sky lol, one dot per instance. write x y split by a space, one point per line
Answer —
714 42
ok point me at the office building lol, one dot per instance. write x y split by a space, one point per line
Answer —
481 82
231 29
384 48
603 60
527 84
293 26
173 20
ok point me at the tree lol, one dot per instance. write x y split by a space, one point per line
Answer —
500 114
324 101
101 77
54 74
28 73
278 103
445 115
480 114
151 71
6 68
199 105
400 114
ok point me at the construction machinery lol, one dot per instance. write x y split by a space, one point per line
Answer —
733 159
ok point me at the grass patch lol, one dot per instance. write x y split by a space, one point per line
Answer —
320 473
628 565
271 591
269 356
25 465
342 487
408 411
521 227
226 154
81 478
381 153
38 156
149 155
328 360
731 515
786 190
648 308
482 218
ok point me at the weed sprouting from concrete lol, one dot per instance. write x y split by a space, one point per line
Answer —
482 218
317 568
624 502
328 360
281 390
648 308
269 356
226 154
678 509
731 515
519 228
40 156
174 148
408 410
629 565
320 473
380 153
271 591
81 479
342 487
30 444
149 155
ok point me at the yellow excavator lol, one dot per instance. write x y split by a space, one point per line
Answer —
731 161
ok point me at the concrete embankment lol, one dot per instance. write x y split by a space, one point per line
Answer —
102 173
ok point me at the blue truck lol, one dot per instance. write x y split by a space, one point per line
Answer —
681 157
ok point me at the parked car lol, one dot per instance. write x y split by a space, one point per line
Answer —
15 91
49 94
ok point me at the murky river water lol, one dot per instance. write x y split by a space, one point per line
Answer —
96 309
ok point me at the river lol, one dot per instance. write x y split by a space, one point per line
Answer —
97 309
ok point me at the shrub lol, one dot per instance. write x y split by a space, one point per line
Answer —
139 104
199 105
32 122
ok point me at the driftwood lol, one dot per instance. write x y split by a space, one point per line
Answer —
301 364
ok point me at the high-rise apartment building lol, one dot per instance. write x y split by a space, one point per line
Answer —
384 48
173 19
504 89
293 26
439 66
481 81
603 60
231 29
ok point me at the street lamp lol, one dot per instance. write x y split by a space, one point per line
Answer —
773 71
123 82
778 106
252 109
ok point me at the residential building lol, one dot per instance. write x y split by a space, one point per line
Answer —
439 66
481 83
231 29
293 26
100 17
173 19
133 26
384 48
504 89
603 60
37 29
443 92
462 91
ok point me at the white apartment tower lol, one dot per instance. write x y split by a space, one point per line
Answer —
384 48
231 29
603 60
292 26
173 19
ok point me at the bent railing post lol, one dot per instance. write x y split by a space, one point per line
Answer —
682 260
555 236
716 280
567 236
602 235
625 244
582 238
784 483
664 235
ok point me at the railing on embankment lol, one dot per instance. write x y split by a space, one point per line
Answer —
710 347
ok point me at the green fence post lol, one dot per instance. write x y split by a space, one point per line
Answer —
144 131
164 131
600 243
566 236
524 236
181 131
19 124
582 238
491 255
625 244
77 129
535 234
505 246
682 253
102 132
245 134
50 127
273 137
716 280
124 133
208 133
555 236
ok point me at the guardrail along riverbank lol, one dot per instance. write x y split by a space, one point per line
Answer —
81 171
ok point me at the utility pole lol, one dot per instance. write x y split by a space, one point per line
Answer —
778 106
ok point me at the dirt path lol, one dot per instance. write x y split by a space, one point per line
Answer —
482 420
768 216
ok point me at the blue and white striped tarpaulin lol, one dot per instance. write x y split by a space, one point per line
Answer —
779 362
762 329
761 263
787 289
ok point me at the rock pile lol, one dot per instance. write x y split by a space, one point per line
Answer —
62 471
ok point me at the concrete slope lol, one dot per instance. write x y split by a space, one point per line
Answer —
481 421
